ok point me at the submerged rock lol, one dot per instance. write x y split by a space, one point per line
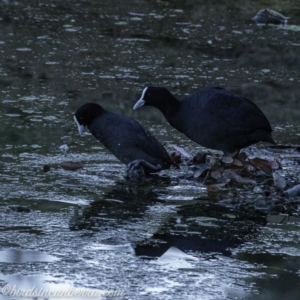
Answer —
46 168
293 192
20 208
269 16
71 165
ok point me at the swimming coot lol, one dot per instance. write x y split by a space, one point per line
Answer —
125 138
213 117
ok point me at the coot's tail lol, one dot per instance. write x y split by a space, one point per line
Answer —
269 139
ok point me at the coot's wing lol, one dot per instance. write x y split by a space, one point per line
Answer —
218 119
232 111
150 147
128 140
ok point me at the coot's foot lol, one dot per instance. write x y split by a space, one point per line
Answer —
135 169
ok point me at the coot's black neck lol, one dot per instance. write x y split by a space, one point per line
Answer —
169 106
173 113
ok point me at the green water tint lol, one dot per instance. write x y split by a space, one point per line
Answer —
169 236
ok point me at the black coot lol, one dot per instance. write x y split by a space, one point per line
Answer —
125 138
212 117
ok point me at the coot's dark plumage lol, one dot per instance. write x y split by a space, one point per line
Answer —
212 117
124 137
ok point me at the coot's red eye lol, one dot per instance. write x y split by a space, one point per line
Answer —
148 95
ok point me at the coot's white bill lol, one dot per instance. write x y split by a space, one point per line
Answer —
140 103
80 127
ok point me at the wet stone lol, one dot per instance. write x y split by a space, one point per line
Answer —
269 16
71 165
19 208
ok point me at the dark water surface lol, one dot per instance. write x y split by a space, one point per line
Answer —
160 239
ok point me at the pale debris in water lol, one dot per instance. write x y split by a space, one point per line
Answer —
279 181
64 148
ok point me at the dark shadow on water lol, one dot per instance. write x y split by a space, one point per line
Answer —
185 243
126 201
204 228
284 284
199 227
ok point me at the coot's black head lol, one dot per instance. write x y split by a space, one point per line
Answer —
86 114
154 96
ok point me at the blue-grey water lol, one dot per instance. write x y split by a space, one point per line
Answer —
165 238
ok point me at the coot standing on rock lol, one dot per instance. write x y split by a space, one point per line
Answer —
125 138
213 117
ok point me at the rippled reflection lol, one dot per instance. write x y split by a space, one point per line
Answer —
168 236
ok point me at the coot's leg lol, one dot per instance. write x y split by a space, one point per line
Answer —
135 168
